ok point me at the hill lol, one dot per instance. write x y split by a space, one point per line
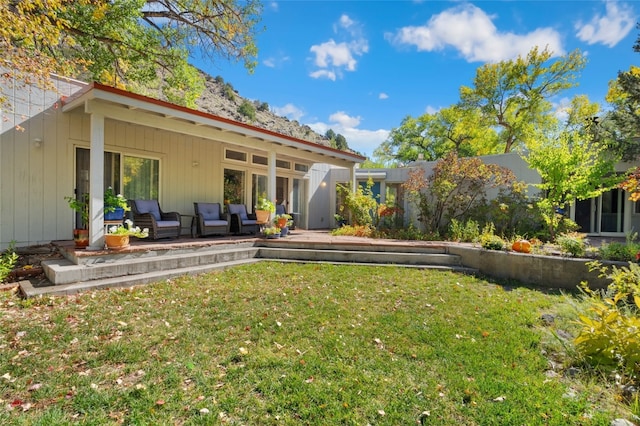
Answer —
222 99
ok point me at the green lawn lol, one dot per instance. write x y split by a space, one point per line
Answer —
278 343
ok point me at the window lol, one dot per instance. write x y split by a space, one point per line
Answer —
283 164
235 155
258 188
134 177
302 167
141 178
259 159
233 186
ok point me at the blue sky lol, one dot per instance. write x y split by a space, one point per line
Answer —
360 67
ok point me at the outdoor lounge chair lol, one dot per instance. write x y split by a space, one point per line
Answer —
282 209
147 214
210 220
241 221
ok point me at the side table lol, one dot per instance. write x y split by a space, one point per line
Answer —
193 223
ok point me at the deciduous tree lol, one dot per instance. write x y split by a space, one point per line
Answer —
127 43
514 95
573 166
456 186
432 136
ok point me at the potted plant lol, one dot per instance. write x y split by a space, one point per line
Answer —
264 209
271 232
117 237
114 205
81 206
280 220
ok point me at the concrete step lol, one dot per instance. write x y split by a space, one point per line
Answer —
367 257
29 290
455 268
365 245
64 271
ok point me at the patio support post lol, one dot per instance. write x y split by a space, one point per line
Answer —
96 183
271 177
352 178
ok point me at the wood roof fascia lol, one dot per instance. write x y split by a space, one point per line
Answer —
146 118
133 101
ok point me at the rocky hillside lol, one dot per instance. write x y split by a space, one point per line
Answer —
220 98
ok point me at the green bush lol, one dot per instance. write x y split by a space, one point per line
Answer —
8 260
608 337
361 204
248 110
489 240
229 92
468 231
624 252
572 243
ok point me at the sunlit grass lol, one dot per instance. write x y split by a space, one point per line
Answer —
291 344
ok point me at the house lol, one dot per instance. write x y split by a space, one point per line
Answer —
83 138
611 214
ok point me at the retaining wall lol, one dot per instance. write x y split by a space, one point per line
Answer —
546 271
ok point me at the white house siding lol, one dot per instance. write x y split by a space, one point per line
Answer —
511 161
33 179
322 196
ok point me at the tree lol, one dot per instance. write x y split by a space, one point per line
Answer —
341 143
432 136
573 166
127 43
624 96
514 95
456 186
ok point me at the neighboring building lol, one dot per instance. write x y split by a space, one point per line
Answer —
611 214
97 136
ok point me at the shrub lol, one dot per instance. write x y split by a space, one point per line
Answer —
229 92
512 212
489 240
468 231
608 337
572 243
247 109
8 260
361 204
355 230
625 252
455 188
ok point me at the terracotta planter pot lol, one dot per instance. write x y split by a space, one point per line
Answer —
81 238
262 216
116 242
282 223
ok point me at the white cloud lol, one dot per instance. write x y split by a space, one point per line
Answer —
290 111
333 57
383 95
361 140
324 74
431 110
269 62
332 53
610 28
344 120
471 31
275 61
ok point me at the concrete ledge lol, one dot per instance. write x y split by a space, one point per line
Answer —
545 271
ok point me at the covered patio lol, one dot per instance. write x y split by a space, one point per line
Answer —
213 141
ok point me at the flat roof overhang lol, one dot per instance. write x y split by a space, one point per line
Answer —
128 107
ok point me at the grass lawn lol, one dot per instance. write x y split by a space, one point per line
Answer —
278 343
